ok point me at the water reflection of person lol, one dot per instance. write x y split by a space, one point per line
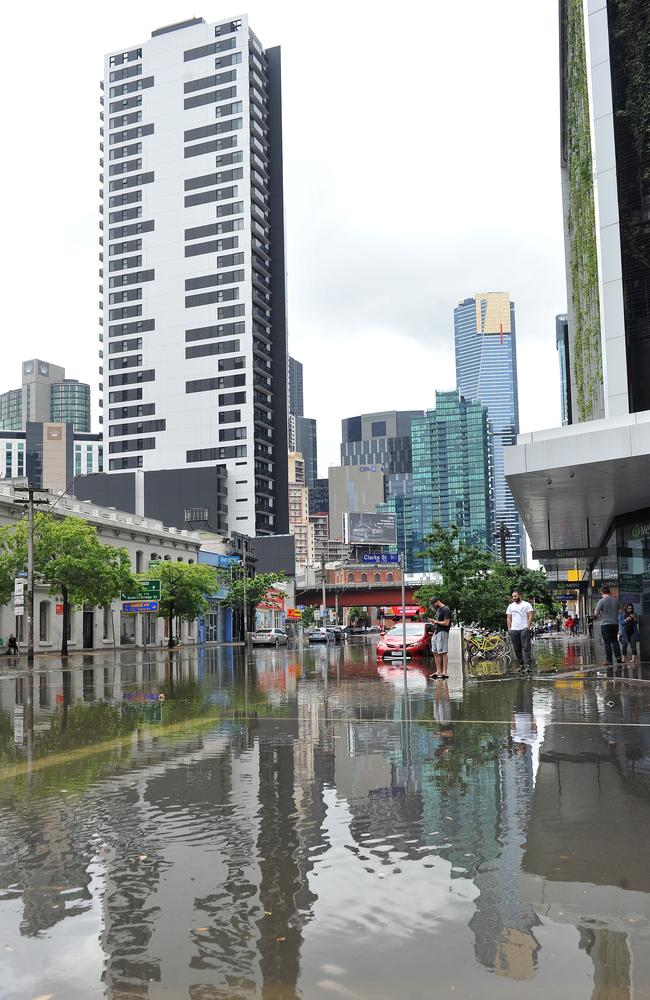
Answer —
442 715
523 728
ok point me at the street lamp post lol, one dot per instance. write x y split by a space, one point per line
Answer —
29 503
401 565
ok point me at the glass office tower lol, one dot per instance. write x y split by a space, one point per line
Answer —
486 371
451 477
70 404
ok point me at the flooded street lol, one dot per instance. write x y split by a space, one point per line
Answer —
293 823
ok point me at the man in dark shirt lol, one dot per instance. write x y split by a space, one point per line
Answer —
440 639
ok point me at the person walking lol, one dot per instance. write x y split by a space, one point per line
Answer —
440 638
622 634
607 611
12 646
519 616
631 627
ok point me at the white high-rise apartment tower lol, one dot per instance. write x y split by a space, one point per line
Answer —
192 264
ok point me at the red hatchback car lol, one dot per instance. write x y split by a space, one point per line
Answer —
418 641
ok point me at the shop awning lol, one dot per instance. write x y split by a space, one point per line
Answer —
569 484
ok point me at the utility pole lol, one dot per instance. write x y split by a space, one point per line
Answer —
401 563
244 583
324 609
29 503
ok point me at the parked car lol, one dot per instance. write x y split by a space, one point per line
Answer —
320 635
418 640
269 637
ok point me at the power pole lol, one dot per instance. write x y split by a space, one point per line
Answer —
324 609
29 503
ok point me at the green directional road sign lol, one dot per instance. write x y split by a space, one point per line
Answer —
150 592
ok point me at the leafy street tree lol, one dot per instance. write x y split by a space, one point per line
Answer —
357 616
475 585
458 563
250 595
308 616
70 558
183 590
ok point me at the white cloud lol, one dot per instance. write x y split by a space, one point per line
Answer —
421 165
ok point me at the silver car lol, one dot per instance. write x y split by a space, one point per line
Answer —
269 637
320 635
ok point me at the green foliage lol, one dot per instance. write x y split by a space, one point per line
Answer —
475 585
183 588
461 565
308 616
581 220
255 589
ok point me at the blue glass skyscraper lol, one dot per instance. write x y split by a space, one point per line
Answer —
486 370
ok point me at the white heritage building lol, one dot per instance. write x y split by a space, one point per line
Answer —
145 539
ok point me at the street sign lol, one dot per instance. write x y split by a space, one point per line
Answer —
226 561
58 609
301 607
19 600
150 592
22 573
19 586
19 610
385 557
133 607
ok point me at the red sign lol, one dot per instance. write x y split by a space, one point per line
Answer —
410 611
59 609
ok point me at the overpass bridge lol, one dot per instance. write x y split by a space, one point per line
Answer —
354 595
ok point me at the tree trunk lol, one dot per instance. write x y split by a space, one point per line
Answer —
170 619
66 612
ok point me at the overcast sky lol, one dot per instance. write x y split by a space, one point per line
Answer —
421 158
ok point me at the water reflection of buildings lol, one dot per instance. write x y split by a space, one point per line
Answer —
208 843
585 861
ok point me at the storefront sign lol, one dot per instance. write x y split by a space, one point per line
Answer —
640 530
589 553
59 609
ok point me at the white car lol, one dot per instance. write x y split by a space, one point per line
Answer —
269 637
320 635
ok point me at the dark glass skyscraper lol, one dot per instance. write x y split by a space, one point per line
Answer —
451 478
451 472
307 445
486 371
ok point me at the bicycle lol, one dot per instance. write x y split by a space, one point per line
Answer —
481 645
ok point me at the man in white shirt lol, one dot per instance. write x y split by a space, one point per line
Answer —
519 615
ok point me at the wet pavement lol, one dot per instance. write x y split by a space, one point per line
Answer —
296 823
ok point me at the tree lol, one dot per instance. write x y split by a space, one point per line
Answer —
70 558
249 591
475 585
183 590
308 616
458 563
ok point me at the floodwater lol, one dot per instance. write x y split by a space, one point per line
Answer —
298 824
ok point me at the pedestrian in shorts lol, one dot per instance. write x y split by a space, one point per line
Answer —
440 638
